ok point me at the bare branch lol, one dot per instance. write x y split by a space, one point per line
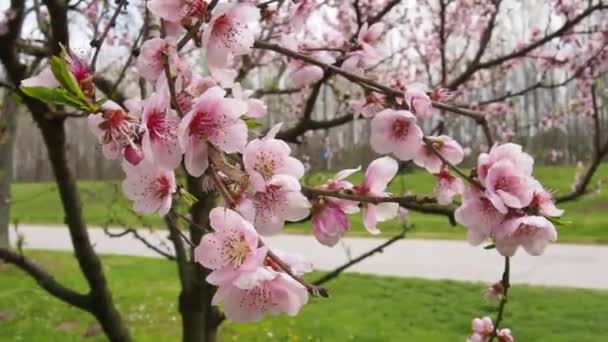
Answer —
46 280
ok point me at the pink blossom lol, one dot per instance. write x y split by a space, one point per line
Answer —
495 291
149 187
44 79
229 33
266 157
280 201
478 215
153 51
256 108
482 329
301 73
231 249
258 293
508 187
543 201
447 147
329 222
370 35
367 106
5 17
447 187
533 233
511 152
395 131
77 67
177 10
504 335
160 144
114 128
301 12
213 119
379 173
418 101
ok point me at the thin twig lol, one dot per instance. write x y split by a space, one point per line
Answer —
503 301
379 249
97 43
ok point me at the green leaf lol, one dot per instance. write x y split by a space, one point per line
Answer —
558 221
55 95
63 75
253 124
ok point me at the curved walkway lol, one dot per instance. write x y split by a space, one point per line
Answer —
582 266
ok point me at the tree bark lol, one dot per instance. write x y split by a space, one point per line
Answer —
102 305
8 122
200 319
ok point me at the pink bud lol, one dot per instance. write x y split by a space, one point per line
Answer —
133 154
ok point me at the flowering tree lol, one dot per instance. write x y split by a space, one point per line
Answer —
163 115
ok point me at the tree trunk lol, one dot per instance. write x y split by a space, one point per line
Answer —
102 305
200 319
8 122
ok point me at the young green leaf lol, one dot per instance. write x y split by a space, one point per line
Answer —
63 75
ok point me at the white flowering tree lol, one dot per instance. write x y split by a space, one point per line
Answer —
160 112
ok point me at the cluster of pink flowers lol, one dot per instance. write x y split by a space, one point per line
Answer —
249 285
189 119
483 330
507 204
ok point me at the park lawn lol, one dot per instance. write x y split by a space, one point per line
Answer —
361 308
103 201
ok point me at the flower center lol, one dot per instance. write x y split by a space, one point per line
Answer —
265 164
161 127
400 128
204 125
267 202
235 250
227 31
161 187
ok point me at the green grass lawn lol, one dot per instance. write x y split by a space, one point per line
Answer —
39 203
361 308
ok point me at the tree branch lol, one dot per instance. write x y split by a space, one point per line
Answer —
379 249
46 281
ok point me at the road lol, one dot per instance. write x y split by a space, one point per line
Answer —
581 266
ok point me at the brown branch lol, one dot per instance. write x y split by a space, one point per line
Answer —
387 8
142 239
503 301
46 280
599 153
379 249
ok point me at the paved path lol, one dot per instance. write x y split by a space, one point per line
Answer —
561 265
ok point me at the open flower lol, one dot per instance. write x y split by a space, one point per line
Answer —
483 328
508 187
510 152
231 249
533 233
301 12
114 128
231 32
177 10
447 147
160 144
153 51
478 215
447 187
266 157
213 119
379 173
258 293
280 201
418 101
543 201
395 131
150 187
